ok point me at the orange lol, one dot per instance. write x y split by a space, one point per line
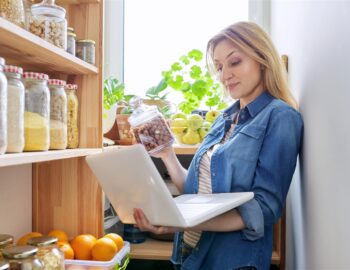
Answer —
104 249
60 235
66 249
24 239
82 246
118 240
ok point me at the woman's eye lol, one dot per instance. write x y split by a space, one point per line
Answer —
235 63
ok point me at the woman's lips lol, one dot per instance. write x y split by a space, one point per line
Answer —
232 86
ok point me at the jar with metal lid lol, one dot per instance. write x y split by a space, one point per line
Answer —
50 255
150 128
5 241
22 258
13 11
58 114
72 116
4 265
85 50
3 107
36 112
15 109
48 22
71 43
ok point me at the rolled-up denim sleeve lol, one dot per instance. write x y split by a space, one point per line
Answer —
274 172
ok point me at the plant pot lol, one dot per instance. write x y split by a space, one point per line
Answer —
126 136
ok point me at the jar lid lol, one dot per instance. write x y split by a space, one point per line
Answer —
86 41
48 7
57 82
5 239
71 34
70 29
42 241
35 76
4 265
142 114
19 252
2 61
13 69
72 86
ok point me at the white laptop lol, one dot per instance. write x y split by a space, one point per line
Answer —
130 180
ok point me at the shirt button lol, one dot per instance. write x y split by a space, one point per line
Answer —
213 174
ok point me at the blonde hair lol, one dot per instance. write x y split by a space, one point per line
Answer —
252 40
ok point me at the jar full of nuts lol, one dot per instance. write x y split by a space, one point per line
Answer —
13 11
48 22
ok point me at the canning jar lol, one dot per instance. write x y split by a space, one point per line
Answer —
13 11
71 43
3 107
48 22
150 128
4 265
49 254
72 116
15 109
36 112
58 114
22 258
85 50
5 241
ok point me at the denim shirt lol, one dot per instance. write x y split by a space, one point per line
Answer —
259 156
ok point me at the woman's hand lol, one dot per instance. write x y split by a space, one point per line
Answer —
164 153
143 224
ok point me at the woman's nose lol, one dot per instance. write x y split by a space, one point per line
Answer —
225 74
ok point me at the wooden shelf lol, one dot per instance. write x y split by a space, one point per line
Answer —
152 250
179 149
20 47
33 157
75 2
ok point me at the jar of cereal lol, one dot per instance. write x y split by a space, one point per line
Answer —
58 114
36 112
15 109
48 22
72 116
51 257
3 107
22 258
5 240
13 11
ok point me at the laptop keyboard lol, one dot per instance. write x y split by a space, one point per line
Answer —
192 210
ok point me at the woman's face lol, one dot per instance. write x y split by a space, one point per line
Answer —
240 74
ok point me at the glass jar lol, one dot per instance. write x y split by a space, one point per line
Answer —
15 109
3 107
27 4
72 116
58 114
48 22
13 11
22 258
5 240
71 43
85 50
36 112
50 255
150 128
4 265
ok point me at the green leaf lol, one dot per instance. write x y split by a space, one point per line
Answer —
213 101
176 66
222 105
197 55
184 59
199 88
195 72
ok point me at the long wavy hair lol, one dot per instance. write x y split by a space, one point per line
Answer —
252 40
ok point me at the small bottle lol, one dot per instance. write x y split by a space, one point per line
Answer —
71 37
49 254
72 116
3 107
85 50
5 240
22 258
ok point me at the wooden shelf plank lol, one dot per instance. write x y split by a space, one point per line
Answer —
20 47
152 250
33 157
75 2
179 149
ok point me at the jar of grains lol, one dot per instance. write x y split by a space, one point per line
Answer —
13 11
36 112
58 114
5 241
85 50
15 109
51 257
72 115
3 107
48 22
22 258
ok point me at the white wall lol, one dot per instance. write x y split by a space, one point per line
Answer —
316 37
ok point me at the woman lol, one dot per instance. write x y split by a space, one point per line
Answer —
252 146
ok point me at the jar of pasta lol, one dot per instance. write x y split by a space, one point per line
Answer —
72 116
5 240
22 258
3 107
4 265
15 109
49 254
48 22
85 50
13 11
36 112
58 114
